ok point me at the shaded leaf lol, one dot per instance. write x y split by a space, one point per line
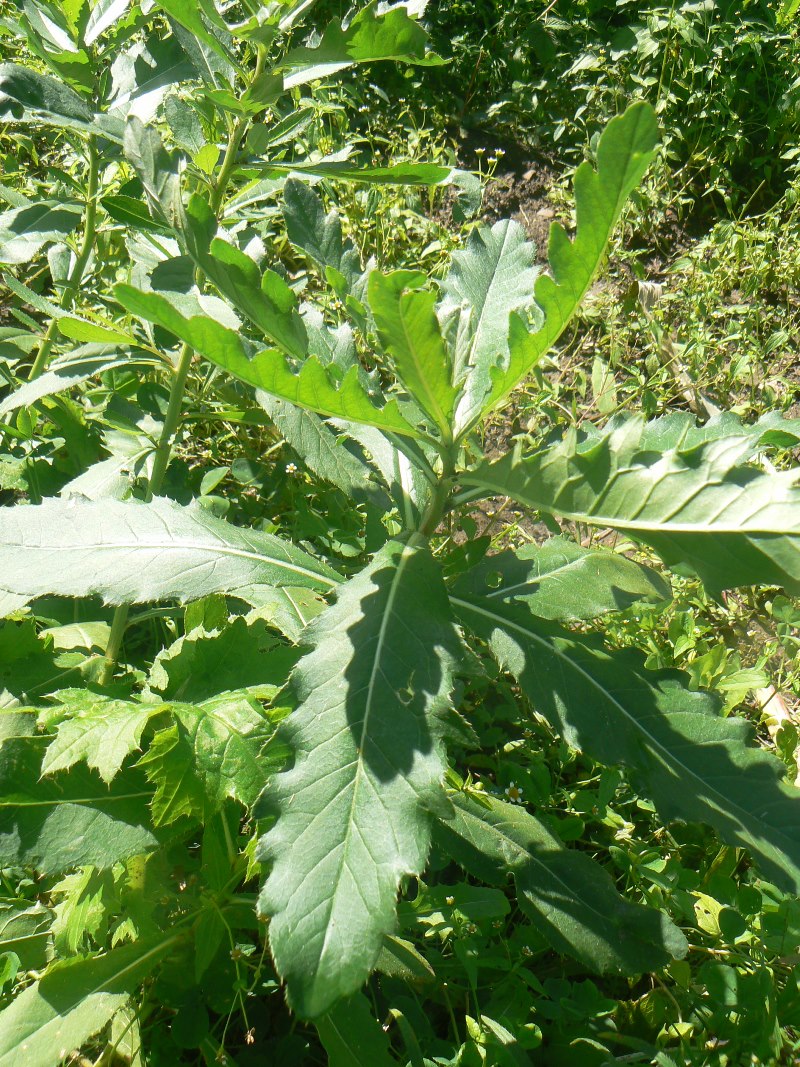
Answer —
352 1036
69 820
570 899
73 1001
27 96
367 739
694 763
24 230
559 580
244 655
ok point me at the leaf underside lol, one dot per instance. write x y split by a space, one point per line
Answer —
698 505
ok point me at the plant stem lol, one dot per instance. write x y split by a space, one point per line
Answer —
166 439
76 274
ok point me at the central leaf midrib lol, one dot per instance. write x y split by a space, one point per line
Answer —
358 777
184 546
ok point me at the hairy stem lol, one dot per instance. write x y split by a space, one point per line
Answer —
79 266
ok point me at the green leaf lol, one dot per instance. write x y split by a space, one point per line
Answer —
369 756
493 276
24 230
25 931
245 655
129 552
105 13
27 96
211 752
73 1001
265 298
733 524
372 34
568 897
311 387
156 168
623 154
395 174
325 452
320 235
409 331
69 820
695 764
188 13
73 369
679 430
99 730
353 1037
559 580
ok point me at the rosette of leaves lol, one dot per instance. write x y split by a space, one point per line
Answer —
350 815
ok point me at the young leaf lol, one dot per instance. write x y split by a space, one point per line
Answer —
623 154
311 387
409 331
559 580
369 755
570 898
493 276
374 33
212 751
695 764
129 552
73 1001
96 729
730 522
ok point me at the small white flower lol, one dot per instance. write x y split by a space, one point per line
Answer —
514 793
291 468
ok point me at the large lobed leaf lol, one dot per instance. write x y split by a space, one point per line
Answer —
695 764
570 898
696 504
624 152
129 552
369 759
310 387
